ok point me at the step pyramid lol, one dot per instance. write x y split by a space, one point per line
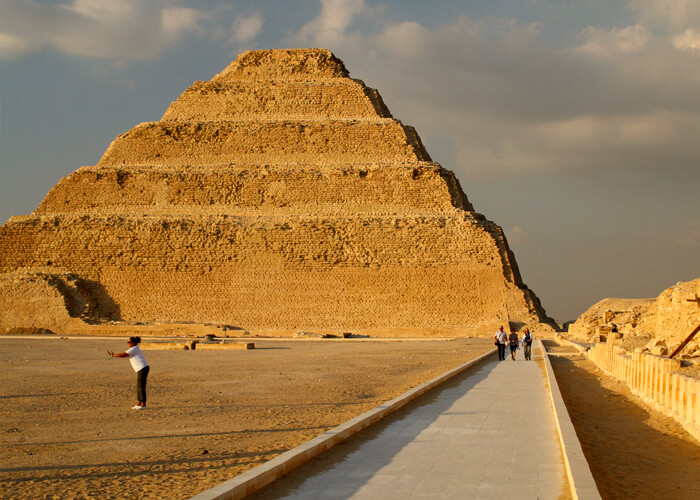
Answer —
281 194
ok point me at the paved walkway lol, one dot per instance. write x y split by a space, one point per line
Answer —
487 433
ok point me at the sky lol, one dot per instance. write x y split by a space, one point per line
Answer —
573 124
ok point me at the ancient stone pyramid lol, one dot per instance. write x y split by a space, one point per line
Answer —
281 194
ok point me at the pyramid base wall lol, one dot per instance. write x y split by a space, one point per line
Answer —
275 297
368 273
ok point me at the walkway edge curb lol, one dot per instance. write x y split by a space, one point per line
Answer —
262 475
581 480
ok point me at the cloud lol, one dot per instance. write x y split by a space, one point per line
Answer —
601 43
499 100
406 39
12 46
332 23
179 20
673 14
246 28
127 29
658 142
679 20
689 40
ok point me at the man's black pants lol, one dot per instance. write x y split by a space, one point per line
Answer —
501 351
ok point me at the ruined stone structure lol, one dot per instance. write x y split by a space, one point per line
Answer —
669 318
281 194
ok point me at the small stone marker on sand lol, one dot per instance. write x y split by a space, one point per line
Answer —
195 345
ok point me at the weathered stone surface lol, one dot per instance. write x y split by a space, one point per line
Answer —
655 343
672 315
625 313
167 346
232 346
667 320
211 143
659 350
281 194
420 187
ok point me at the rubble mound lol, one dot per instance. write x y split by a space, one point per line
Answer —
661 323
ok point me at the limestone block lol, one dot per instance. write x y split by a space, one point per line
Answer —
655 343
696 411
659 350
167 346
232 346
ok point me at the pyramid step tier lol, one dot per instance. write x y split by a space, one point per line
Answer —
209 143
142 240
281 64
284 99
416 187
372 271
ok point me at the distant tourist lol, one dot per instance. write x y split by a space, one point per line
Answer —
513 339
501 343
140 366
527 344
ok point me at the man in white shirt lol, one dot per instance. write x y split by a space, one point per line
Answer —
501 338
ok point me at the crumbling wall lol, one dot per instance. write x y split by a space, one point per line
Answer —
669 318
674 313
50 300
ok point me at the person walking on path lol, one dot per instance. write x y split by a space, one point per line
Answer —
501 343
527 344
513 339
140 366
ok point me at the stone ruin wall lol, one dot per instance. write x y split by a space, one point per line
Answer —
672 314
33 299
279 195
668 318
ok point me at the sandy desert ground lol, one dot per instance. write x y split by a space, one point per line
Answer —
68 430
